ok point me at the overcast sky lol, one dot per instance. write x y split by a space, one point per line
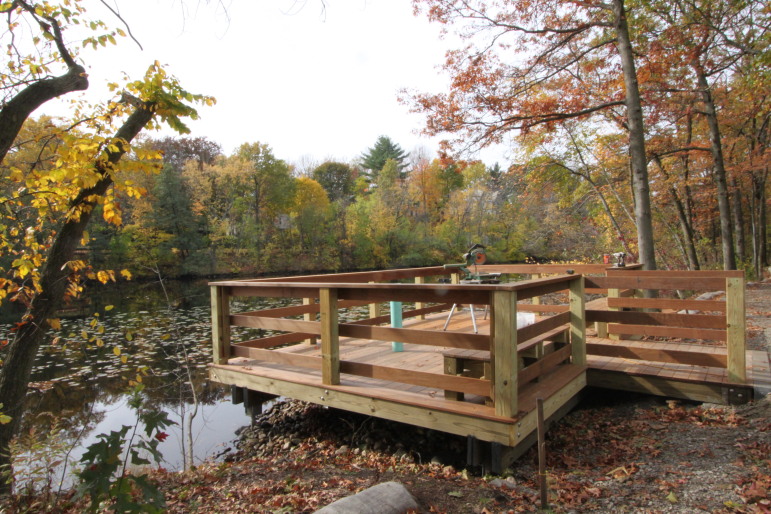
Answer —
311 84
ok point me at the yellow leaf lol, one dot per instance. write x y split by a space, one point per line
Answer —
116 351
55 323
166 337
84 334
672 497
109 307
103 277
125 274
124 359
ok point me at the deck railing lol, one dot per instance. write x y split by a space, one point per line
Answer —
710 324
616 309
505 342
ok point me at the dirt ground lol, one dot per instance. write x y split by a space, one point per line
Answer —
616 452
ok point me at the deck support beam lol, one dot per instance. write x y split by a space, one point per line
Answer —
220 324
330 337
503 353
735 331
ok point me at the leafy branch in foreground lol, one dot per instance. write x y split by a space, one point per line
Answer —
104 478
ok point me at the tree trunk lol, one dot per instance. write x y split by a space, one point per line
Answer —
689 245
17 368
726 231
760 223
738 220
639 164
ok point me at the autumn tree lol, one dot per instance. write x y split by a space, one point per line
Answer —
539 64
64 192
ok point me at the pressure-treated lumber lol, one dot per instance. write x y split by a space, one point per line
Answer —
220 322
504 353
330 339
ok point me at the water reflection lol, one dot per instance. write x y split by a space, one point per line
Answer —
132 333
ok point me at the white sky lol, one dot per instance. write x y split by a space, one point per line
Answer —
311 85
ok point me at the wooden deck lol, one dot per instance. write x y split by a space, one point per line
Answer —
388 398
484 382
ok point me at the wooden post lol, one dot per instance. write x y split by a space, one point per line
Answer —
735 329
309 316
578 321
374 309
420 305
541 427
330 337
220 324
612 293
536 300
503 353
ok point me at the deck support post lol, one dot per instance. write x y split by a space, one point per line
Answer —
420 305
220 324
330 337
503 353
735 329
310 316
578 320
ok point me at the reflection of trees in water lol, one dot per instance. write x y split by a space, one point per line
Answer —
72 377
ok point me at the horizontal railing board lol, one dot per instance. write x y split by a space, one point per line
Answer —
666 331
545 325
635 281
273 341
657 318
277 357
696 274
543 365
478 294
460 384
527 307
426 337
668 303
284 325
419 378
523 346
405 315
638 352
542 269
359 276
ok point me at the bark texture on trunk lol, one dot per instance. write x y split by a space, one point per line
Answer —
719 172
638 160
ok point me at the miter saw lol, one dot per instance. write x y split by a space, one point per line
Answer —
475 256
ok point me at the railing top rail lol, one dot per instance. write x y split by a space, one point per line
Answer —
552 268
356 276
685 273
524 285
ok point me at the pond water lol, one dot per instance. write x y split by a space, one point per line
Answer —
120 335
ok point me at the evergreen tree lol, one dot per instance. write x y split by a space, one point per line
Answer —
375 158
